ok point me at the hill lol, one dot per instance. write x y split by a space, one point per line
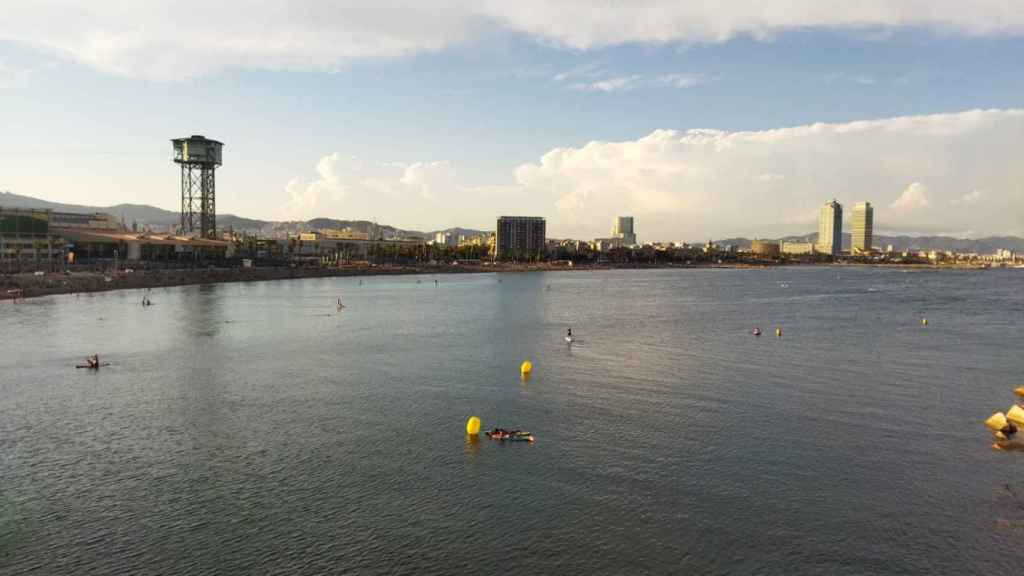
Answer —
146 215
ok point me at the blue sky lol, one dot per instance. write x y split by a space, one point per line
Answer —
463 121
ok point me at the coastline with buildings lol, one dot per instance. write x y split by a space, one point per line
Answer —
45 251
42 283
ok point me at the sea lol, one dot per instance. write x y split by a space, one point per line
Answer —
255 428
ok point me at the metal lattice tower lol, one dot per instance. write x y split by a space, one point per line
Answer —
199 157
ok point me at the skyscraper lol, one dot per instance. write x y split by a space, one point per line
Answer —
520 237
830 228
863 226
622 229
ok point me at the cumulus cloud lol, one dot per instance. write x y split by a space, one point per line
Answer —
702 183
697 183
913 197
661 21
352 187
175 39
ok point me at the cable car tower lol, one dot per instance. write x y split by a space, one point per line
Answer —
198 157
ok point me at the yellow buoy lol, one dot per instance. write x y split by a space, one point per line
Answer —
526 367
778 332
996 422
924 321
473 426
1016 415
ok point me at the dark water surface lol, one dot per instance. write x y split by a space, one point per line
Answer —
252 429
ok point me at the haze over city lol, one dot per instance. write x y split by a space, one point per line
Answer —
712 121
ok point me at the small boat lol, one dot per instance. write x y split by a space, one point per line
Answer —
511 436
92 367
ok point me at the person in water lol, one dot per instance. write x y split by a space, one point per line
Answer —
568 333
94 361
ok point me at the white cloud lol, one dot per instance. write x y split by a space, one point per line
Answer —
682 80
660 21
968 199
702 183
593 78
913 197
351 187
175 39
699 183
616 84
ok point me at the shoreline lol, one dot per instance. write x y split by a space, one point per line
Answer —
30 285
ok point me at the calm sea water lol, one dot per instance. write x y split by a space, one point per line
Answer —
251 428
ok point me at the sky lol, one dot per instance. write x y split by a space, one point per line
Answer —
700 119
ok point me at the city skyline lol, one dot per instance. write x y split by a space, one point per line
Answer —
430 128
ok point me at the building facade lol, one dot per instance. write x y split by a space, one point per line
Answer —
830 228
798 248
863 227
28 235
622 228
520 238
445 239
765 248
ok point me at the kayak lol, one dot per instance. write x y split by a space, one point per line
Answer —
93 367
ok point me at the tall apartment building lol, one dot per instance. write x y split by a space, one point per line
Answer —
863 227
622 229
830 228
520 237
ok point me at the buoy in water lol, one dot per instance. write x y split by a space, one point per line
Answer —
473 426
1015 415
756 332
526 367
778 332
924 321
996 422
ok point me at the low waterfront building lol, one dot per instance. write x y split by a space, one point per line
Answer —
343 234
85 244
29 236
796 248
765 248
445 239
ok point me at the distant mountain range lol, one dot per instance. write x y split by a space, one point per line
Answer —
146 215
